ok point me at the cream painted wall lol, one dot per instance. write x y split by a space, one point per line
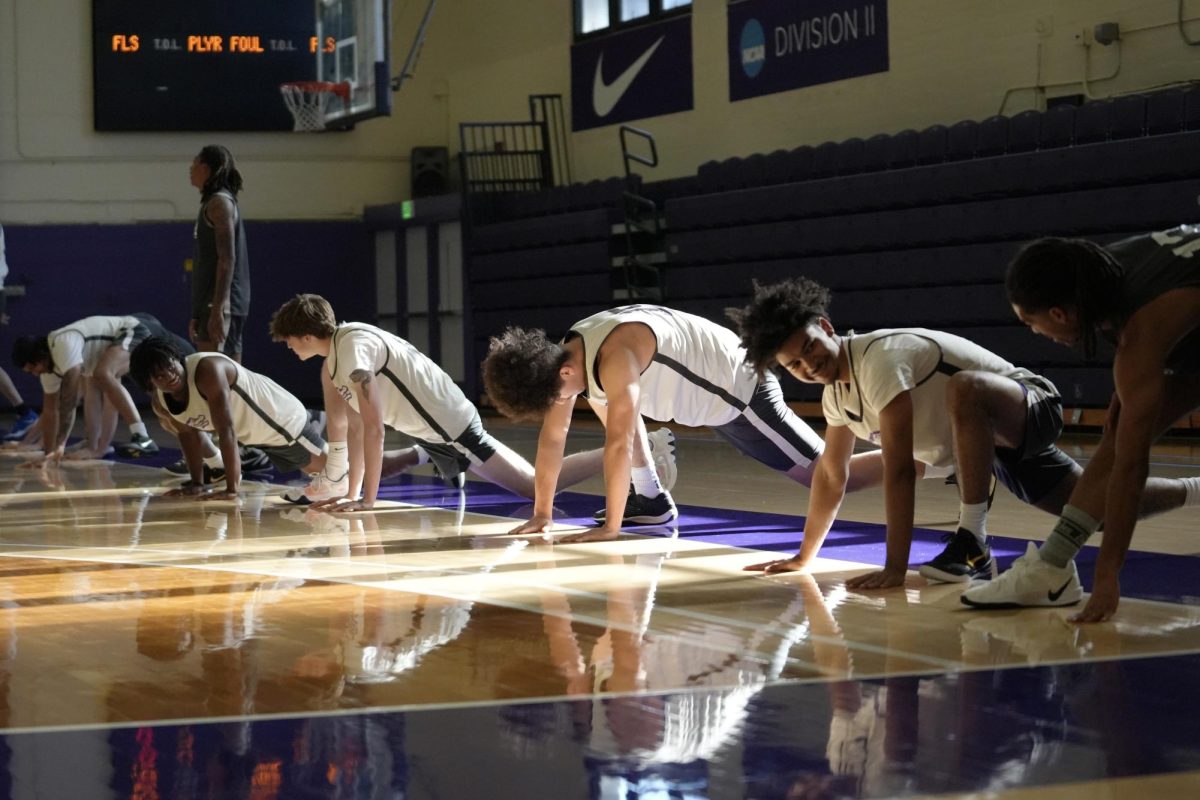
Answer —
950 60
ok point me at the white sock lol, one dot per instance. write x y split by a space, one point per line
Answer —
645 481
337 463
215 462
973 517
1192 488
422 455
138 429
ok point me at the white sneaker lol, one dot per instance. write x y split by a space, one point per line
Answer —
662 451
1030 581
320 487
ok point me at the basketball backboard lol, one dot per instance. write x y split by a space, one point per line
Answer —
352 45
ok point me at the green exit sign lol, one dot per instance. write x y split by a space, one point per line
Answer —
407 209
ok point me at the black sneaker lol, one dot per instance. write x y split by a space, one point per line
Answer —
254 460
642 510
962 560
179 468
137 446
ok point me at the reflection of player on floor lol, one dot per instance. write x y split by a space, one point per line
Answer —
371 379
90 357
924 395
660 363
212 393
1142 294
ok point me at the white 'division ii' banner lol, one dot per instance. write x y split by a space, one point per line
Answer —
779 45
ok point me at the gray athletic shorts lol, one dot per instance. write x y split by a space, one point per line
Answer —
770 432
294 456
473 446
1038 466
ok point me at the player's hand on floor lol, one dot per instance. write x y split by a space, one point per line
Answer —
350 505
1105 597
883 579
778 565
534 525
594 535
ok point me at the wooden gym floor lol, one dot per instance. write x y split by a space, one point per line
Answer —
155 647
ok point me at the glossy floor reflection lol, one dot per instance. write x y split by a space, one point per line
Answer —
169 648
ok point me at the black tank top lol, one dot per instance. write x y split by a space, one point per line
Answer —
1156 263
204 265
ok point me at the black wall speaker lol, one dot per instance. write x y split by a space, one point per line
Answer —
430 171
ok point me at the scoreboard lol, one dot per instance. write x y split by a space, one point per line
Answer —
199 65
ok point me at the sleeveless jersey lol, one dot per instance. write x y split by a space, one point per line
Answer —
81 344
264 413
1154 264
885 363
698 375
204 265
418 397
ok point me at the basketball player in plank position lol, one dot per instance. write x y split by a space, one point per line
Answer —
920 395
372 379
209 392
1142 295
89 357
646 360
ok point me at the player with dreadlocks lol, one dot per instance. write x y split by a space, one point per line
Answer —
1142 295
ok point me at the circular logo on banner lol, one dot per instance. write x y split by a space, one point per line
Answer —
754 48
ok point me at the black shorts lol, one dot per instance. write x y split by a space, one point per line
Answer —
770 432
473 446
232 346
294 456
148 326
1038 466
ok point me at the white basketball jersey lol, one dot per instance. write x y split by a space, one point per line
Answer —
885 363
81 344
698 375
418 397
264 413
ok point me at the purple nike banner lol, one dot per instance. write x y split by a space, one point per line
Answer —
643 72
777 46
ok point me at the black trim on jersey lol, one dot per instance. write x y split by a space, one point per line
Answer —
943 366
391 376
696 380
271 423
412 401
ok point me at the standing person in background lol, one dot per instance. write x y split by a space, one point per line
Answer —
26 416
220 271
220 263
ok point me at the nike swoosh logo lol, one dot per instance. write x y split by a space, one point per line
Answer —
1055 595
605 96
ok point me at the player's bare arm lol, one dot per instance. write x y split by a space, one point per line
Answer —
1142 394
547 464
213 378
899 482
830 478
623 357
370 412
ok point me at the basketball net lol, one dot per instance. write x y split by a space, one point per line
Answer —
307 100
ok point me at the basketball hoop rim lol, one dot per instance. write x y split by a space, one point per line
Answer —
342 89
